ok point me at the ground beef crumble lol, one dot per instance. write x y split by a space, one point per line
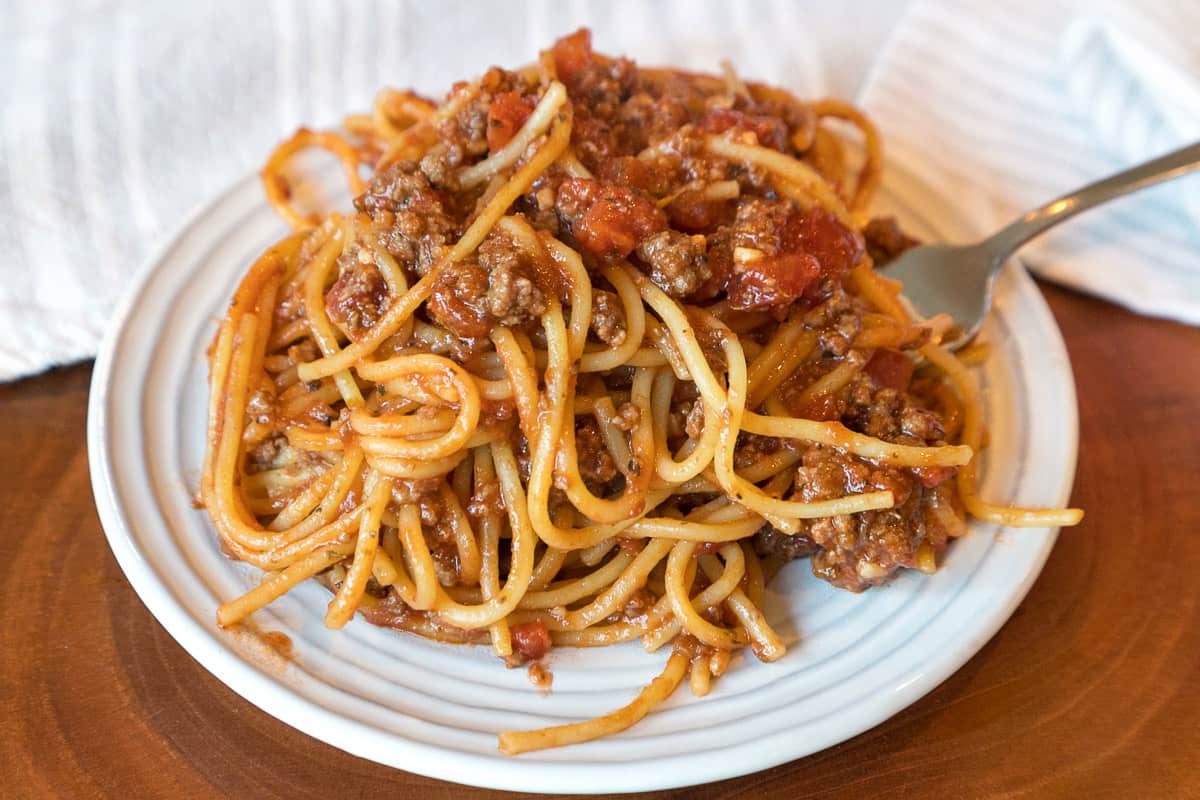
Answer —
676 261
410 215
596 464
358 297
498 286
608 318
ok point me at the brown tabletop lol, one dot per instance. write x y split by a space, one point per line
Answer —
1092 689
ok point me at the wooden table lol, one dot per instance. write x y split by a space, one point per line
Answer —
1092 689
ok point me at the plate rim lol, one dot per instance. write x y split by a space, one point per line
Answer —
280 701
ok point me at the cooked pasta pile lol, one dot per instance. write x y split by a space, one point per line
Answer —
597 350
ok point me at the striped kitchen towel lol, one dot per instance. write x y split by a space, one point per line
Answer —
119 118
1139 83
1004 106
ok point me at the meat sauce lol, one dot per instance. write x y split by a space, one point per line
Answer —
704 229
530 640
648 200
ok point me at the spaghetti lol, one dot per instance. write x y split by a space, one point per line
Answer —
598 350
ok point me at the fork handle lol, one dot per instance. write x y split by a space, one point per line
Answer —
1164 168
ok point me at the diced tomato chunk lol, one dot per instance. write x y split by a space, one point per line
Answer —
771 132
531 640
930 477
818 232
572 54
890 369
772 280
823 407
608 220
813 245
506 115
692 213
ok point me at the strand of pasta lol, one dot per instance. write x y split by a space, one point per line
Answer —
756 579
548 567
835 434
682 606
793 171
763 640
599 635
685 530
635 327
659 689
872 287
469 558
537 124
618 593
489 534
605 415
277 584
303 438
832 381
778 360
782 513
568 592
580 292
632 499
344 603
972 434
275 185
521 378
702 449
872 169
318 322
593 555
411 469
418 560
547 427
403 307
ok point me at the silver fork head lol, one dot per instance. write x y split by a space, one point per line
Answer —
951 279
958 280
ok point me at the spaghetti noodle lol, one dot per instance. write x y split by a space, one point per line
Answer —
598 350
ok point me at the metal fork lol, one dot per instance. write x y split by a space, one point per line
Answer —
958 279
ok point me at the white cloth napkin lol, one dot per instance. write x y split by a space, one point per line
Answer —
118 119
983 101
1135 74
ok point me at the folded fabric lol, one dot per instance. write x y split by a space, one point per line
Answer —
1134 72
119 119
977 100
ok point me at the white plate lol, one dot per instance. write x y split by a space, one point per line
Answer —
852 661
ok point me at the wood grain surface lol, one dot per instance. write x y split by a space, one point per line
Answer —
1092 689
